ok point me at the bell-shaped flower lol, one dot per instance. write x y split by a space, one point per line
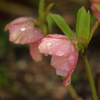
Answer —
23 31
95 6
64 54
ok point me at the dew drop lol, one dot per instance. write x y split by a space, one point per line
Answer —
49 44
23 29
69 81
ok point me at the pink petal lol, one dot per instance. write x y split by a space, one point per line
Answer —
56 46
64 54
23 31
73 60
64 66
57 36
34 52
60 63
95 6
67 80
96 12
18 21
95 1
61 72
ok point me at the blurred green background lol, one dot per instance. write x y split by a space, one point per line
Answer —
23 79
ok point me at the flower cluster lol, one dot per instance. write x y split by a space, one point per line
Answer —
63 50
95 6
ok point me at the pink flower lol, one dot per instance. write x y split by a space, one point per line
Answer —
64 54
23 31
95 6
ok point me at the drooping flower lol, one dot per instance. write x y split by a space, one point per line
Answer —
23 31
64 54
95 6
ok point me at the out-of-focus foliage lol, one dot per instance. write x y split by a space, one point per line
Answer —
5 77
3 40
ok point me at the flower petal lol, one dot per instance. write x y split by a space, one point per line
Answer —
67 80
64 54
61 72
56 46
60 63
96 12
95 6
23 31
34 52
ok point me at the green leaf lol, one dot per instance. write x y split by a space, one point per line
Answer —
50 23
48 8
61 23
41 8
83 24
94 27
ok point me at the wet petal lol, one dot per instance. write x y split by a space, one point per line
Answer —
56 46
18 21
67 80
61 72
60 63
23 31
64 54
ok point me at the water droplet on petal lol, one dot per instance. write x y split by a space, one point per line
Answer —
68 81
71 57
59 53
23 29
49 44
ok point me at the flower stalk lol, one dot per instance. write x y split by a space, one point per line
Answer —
73 93
90 77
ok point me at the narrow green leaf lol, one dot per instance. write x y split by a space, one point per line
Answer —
83 24
48 8
41 8
94 27
86 26
50 22
80 20
61 23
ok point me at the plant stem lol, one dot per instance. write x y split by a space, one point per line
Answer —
73 93
90 77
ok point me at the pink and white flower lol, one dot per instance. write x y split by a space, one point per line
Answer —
64 54
23 31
